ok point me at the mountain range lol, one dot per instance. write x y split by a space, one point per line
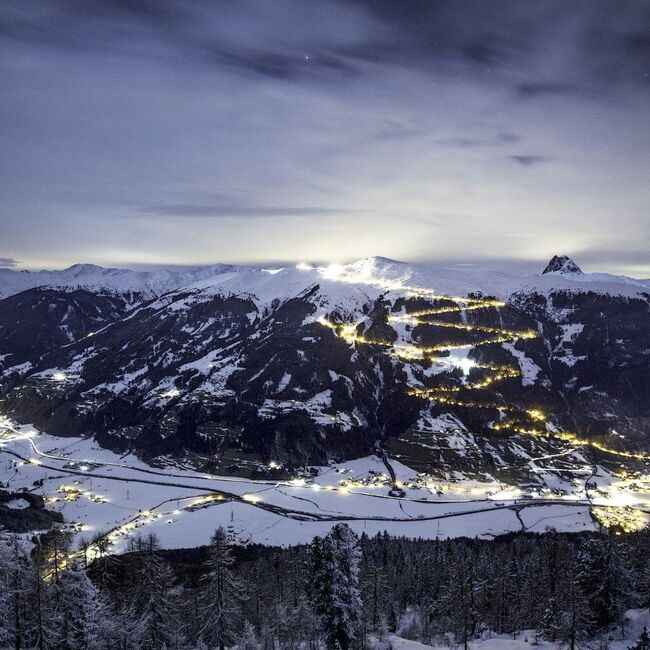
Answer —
450 368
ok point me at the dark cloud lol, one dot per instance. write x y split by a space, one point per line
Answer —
489 49
7 262
528 160
277 65
608 41
220 211
508 138
462 142
99 25
638 43
393 130
542 88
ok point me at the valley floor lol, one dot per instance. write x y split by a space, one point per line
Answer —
99 492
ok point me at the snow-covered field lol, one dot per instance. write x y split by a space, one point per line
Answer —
98 491
636 619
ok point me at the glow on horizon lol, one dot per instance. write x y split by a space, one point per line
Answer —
528 265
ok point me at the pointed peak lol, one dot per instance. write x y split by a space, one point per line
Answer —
562 264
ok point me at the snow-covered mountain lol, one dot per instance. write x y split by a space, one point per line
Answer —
453 366
140 284
379 272
562 264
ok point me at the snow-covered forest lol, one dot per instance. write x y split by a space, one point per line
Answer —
341 591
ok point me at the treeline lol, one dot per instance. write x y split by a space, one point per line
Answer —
338 592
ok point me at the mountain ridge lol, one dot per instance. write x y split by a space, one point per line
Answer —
454 278
308 363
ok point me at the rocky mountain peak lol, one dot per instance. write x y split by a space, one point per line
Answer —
562 264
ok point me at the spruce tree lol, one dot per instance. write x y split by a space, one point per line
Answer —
334 580
603 574
247 638
12 588
152 608
576 618
84 619
14 603
374 589
221 595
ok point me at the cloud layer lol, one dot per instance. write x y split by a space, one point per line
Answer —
196 131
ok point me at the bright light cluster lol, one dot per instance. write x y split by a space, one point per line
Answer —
621 519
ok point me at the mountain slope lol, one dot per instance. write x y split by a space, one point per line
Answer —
39 320
89 277
452 367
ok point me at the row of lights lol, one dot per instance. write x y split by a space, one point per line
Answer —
410 352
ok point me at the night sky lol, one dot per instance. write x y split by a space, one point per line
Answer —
196 131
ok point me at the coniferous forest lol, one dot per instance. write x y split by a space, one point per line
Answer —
341 591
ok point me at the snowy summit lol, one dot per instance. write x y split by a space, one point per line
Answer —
562 264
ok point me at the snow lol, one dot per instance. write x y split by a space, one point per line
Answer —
122 384
344 287
116 491
96 278
440 424
17 504
544 518
461 279
284 382
529 369
563 351
636 620
570 332
602 283
497 642
20 368
570 359
397 643
315 407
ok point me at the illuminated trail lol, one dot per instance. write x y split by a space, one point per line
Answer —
532 421
471 305
411 352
